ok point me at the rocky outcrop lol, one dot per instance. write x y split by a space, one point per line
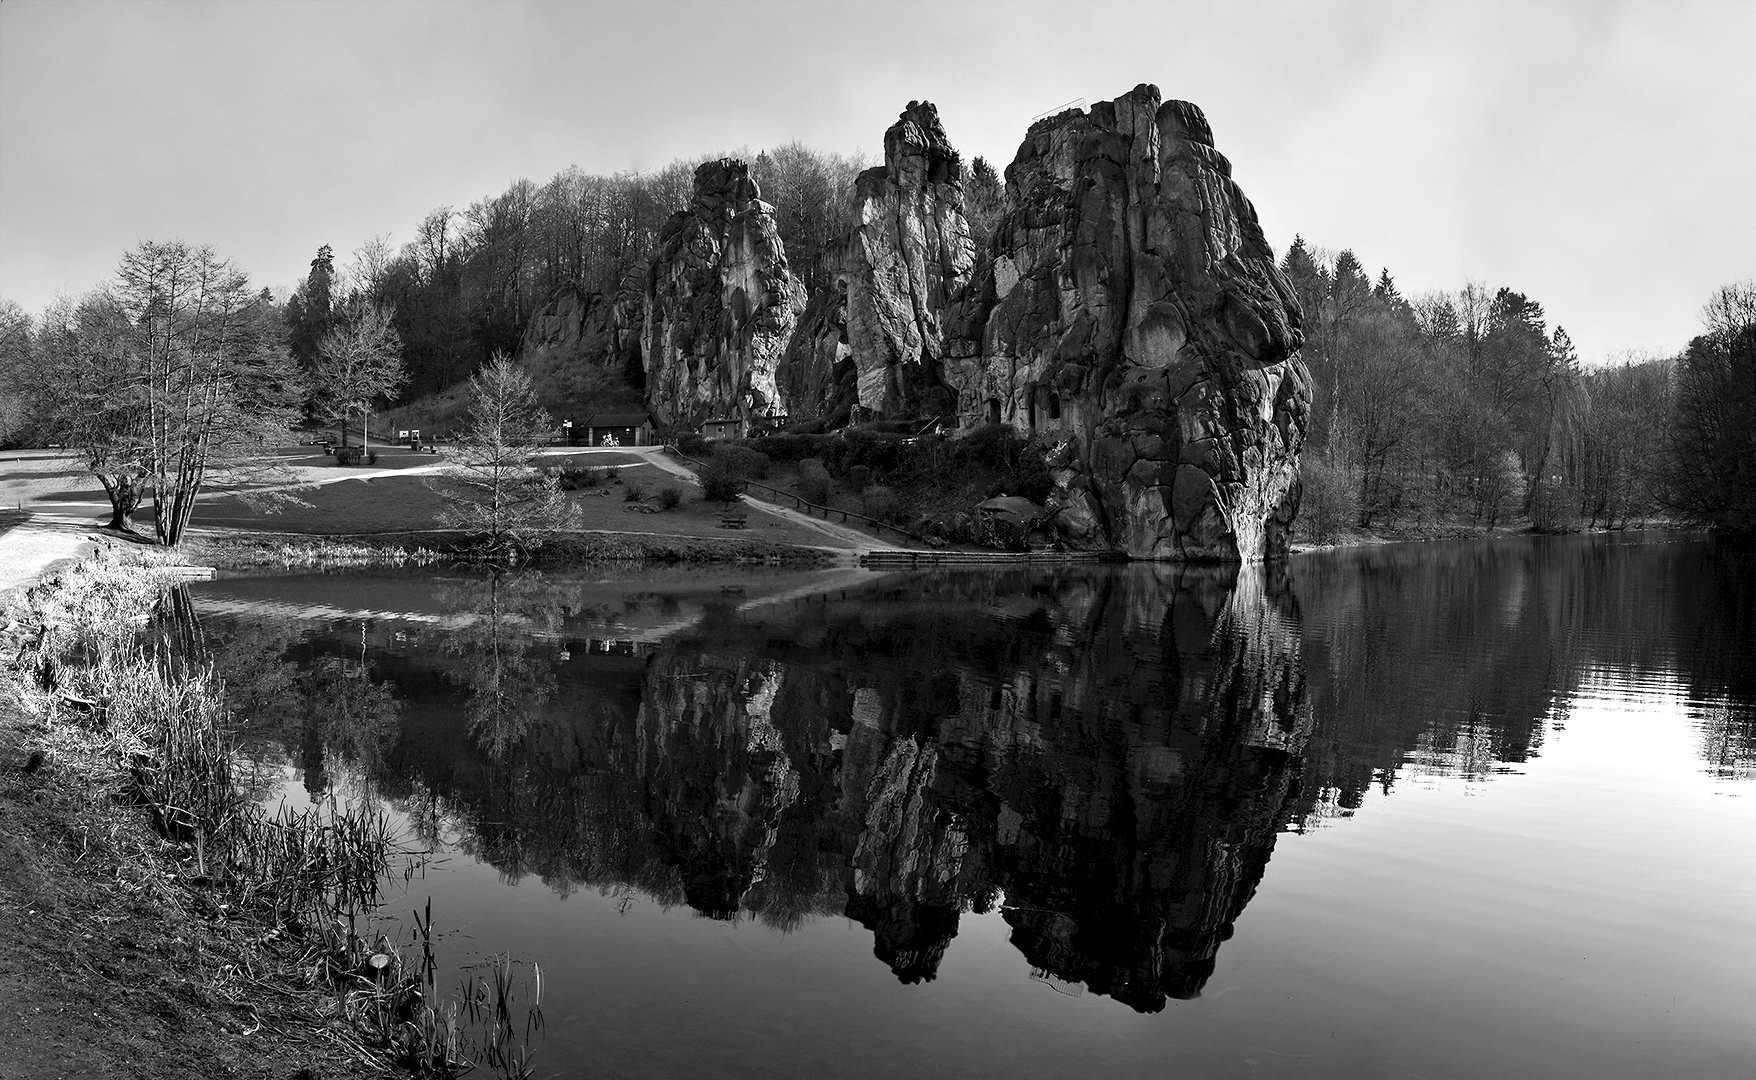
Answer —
577 341
1129 312
818 380
907 257
909 254
720 303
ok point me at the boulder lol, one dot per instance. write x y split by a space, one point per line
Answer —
720 304
1129 310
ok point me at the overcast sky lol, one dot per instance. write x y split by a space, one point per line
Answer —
1597 157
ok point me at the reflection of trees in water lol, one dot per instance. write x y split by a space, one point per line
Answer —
1113 754
314 707
1107 757
503 652
1456 655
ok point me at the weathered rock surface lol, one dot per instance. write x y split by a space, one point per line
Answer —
576 334
908 256
720 303
1130 312
817 378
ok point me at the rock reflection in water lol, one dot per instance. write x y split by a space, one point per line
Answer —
1106 757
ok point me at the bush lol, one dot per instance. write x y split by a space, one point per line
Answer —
668 498
814 481
720 484
1330 502
881 454
573 477
372 457
694 444
634 492
789 447
742 460
880 502
612 475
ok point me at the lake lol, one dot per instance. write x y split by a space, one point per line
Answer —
1442 810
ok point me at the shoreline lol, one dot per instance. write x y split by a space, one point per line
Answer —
118 956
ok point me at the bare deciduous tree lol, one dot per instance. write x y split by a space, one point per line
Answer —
360 361
205 356
496 492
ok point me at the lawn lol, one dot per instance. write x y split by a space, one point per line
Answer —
391 504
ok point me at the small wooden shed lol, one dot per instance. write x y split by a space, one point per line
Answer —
724 427
619 429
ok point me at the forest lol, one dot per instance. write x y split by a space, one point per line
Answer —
1442 411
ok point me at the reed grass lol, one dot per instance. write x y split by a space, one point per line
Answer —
108 648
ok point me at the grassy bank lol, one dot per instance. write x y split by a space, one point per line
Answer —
154 920
248 550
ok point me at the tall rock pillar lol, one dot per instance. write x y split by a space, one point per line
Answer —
720 303
1129 312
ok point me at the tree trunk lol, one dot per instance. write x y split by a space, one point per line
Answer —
124 497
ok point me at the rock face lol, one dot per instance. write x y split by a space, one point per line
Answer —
720 304
1129 312
907 257
576 332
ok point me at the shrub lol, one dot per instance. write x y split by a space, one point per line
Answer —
612 475
814 480
573 477
742 460
668 498
880 502
1329 503
859 477
791 447
881 454
719 483
634 492
372 457
694 444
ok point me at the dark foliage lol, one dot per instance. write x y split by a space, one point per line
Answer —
719 483
1712 475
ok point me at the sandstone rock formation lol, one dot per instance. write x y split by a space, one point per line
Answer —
909 254
576 335
1130 312
720 303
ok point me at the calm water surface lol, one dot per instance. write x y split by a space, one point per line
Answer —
1446 810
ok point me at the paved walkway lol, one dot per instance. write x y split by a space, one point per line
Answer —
838 537
30 550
